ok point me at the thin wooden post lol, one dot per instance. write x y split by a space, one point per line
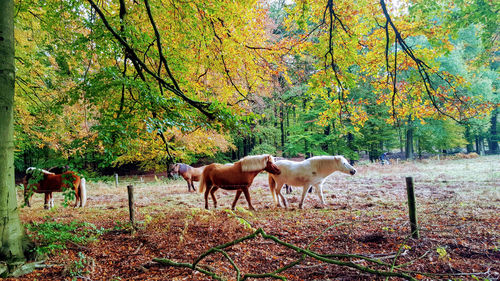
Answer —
411 207
116 180
130 190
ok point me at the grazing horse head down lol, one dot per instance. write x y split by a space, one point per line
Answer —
310 172
42 181
190 174
59 169
238 176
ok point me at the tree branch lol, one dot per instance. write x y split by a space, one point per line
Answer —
422 67
141 67
274 274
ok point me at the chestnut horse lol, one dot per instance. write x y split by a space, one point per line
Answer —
310 172
238 176
42 181
190 174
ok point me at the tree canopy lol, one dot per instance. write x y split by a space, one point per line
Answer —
111 82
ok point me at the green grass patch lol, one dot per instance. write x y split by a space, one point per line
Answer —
50 235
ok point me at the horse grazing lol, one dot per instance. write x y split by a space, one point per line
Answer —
310 172
43 181
59 169
189 173
238 176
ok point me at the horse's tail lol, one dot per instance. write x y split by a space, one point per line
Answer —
203 183
83 192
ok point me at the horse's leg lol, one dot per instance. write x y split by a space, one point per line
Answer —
319 191
189 186
46 204
192 185
238 193
280 195
272 187
247 196
304 193
212 192
51 200
207 191
77 194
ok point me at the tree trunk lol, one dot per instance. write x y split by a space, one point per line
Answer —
419 148
409 142
324 145
480 145
282 126
493 137
400 135
12 235
468 138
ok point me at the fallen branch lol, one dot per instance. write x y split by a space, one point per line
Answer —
138 249
274 274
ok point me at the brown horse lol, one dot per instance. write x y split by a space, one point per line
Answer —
238 176
42 181
190 174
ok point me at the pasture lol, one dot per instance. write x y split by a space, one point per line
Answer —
366 214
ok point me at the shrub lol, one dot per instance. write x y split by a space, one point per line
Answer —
51 235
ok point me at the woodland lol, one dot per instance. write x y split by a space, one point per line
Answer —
129 87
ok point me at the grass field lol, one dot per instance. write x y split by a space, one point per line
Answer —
366 214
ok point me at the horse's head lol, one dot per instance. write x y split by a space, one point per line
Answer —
271 167
173 170
59 169
345 167
34 175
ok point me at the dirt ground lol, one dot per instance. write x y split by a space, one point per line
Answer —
366 214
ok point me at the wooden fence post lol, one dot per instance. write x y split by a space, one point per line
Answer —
116 180
411 207
130 190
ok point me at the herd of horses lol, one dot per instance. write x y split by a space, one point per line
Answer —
236 176
282 173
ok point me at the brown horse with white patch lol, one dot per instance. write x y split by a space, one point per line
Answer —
238 176
47 182
190 174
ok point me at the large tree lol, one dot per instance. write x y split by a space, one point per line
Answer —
11 237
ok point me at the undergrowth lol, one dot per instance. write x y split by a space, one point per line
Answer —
51 235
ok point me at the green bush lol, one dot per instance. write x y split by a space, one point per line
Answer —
51 235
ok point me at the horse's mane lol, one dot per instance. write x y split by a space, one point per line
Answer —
183 167
30 169
254 163
324 162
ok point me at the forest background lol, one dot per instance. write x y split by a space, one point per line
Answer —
133 84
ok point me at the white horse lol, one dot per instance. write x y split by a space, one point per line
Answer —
310 172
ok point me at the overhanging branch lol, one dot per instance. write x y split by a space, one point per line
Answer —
141 67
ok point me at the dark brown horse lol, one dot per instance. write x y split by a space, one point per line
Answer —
190 174
42 181
238 176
